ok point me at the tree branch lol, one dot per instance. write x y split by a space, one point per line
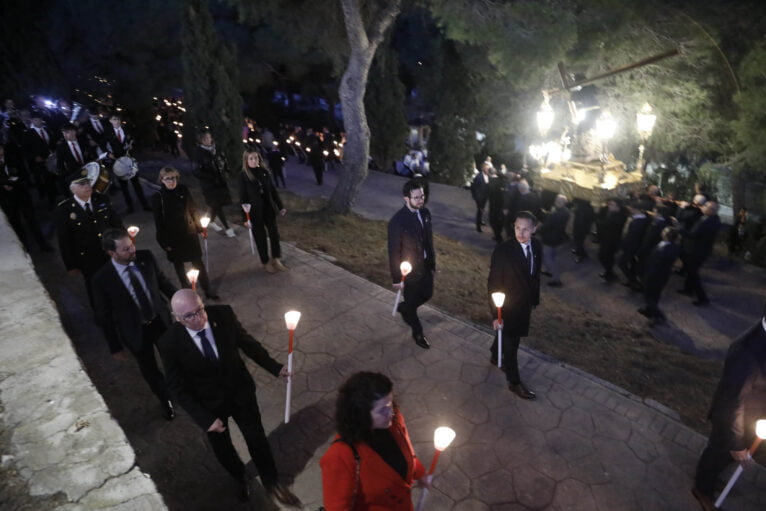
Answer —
352 17
383 20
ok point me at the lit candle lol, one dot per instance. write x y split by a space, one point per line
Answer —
291 321
133 232
405 268
204 222
499 299
192 276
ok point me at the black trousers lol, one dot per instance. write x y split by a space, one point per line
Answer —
217 212
260 226
248 419
318 171
693 282
136 188
480 205
606 258
714 460
510 357
147 361
418 289
628 264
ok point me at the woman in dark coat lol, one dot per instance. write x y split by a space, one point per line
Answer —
211 171
256 187
177 225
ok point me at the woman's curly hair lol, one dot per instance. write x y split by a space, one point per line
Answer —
355 400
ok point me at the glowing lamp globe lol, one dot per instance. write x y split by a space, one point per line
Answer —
645 120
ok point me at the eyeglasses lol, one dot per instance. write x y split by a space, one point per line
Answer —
193 314
170 178
417 197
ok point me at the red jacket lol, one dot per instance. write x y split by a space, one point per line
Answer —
380 487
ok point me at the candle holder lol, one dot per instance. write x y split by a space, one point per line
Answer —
204 222
499 299
246 208
443 437
291 321
760 434
405 268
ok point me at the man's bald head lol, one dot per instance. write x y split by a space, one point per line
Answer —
184 299
188 309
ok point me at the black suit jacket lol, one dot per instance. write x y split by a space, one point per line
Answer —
740 399
67 164
659 267
117 148
631 242
99 139
699 240
35 147
406 243
508 274
116 311
206 390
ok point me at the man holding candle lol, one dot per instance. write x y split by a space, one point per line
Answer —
410 238
207 376
738 402
515 271
131 304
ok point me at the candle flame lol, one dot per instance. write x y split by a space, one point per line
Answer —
498 299
443 436
291 319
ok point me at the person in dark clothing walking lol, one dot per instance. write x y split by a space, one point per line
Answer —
177 226
610 224
697 246
554 234
497 198
256 187
212 171
480 193
581 224
656 272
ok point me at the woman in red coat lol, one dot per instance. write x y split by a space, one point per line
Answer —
371 464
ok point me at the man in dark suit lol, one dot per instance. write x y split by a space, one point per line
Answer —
119 142
610 224
131 304
697 246
95 131
631 243
80 220
480 193
17 203
656 273
554 234
738 402
208 378
581 224
72 153
38 143
515 271
410 238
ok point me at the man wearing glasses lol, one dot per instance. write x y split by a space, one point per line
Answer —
208 378
410 238
130 299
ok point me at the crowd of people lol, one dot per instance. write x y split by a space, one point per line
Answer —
371 464
642 235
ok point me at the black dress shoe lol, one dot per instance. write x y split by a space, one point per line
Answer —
244 490
705 501
167 410
421 341
284 495
520 390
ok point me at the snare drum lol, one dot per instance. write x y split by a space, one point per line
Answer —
98 176
125 167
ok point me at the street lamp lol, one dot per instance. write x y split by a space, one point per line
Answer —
605 128
645 120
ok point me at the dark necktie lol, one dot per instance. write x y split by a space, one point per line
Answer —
529 259
144 303
207 349
88 209
77 155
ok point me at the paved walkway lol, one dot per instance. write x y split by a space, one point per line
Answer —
582 445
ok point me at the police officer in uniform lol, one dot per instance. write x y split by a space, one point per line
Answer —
80 220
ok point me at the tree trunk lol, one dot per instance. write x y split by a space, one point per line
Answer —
356 152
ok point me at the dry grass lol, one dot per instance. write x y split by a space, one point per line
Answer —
598 345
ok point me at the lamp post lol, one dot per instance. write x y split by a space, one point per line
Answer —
605 128
443 437
204 222
645 120
405 268
499 299
291 321
760 434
